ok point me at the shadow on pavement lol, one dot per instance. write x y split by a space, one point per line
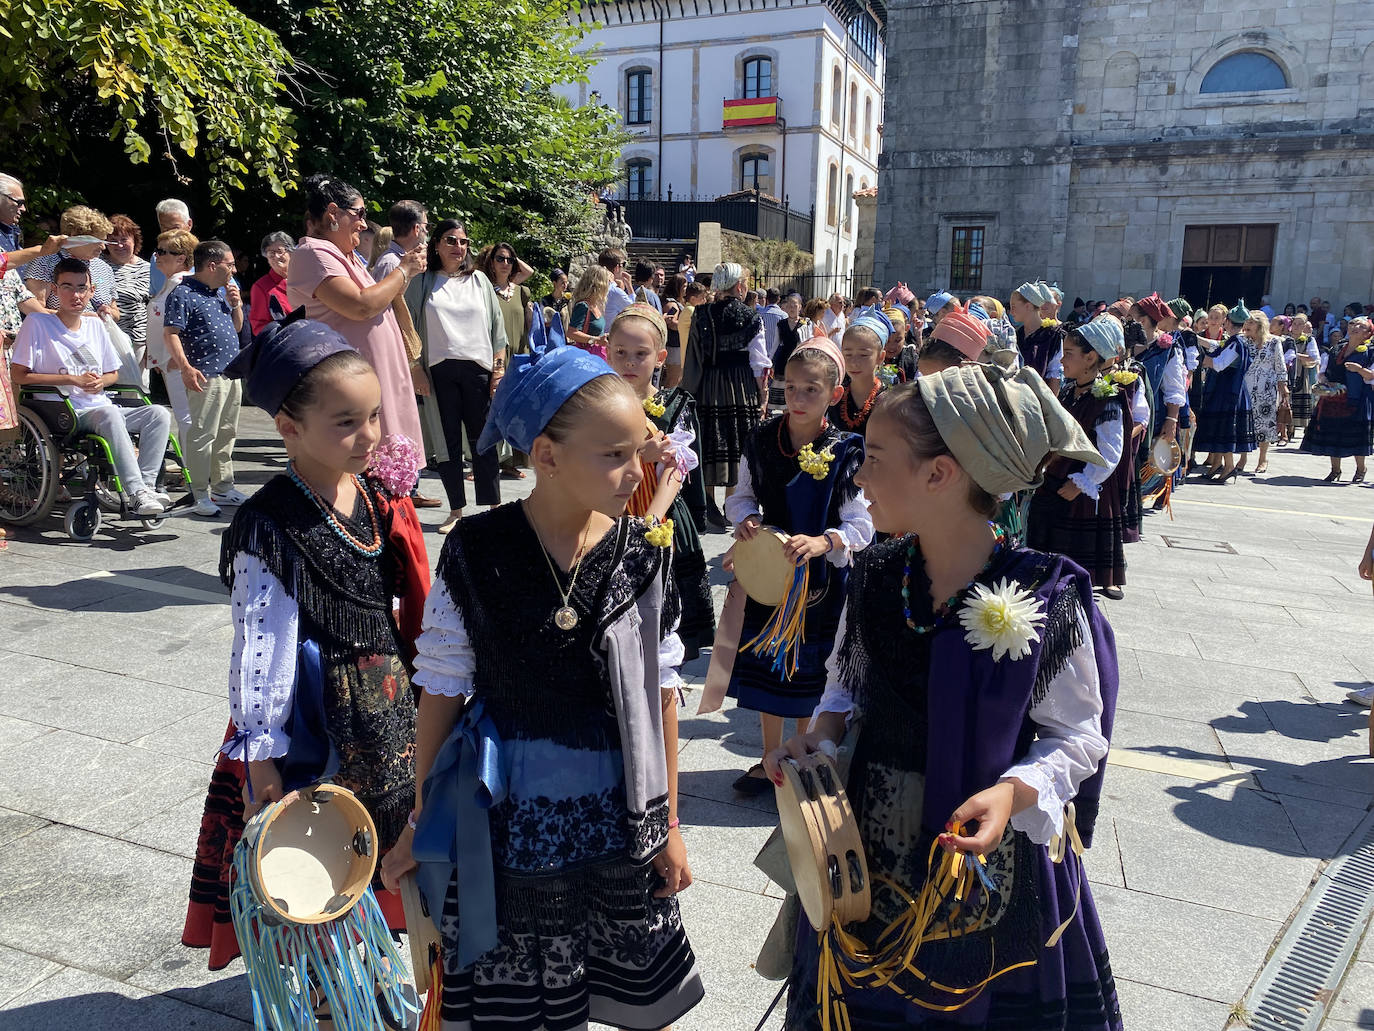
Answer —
111 1010
59 596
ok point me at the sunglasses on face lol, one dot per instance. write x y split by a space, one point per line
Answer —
18 202
454 241
164 253
359 212
505 259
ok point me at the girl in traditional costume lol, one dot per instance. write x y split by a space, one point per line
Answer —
547 839
1077 510
672 489
978 681
1042 338
1343 423
862 348
797 474
319 687
1225 418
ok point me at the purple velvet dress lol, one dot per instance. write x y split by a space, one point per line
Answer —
940 722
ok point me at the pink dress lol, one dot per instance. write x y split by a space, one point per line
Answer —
378 339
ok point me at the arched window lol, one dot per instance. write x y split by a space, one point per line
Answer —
758 77
849 202
853 110
639 96
755 172
868 123
1246 72
836 96
832 188
639 179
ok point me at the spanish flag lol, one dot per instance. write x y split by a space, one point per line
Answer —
759 111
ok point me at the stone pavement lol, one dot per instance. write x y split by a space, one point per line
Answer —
1238 768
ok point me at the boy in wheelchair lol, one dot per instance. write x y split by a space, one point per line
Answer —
73 353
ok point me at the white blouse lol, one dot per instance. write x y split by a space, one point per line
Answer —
446 663
855 529
262 660
1069 745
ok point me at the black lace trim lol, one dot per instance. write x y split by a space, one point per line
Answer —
344 596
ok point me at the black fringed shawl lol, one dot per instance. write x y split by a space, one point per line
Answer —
344 598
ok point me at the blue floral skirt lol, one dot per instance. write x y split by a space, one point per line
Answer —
581 936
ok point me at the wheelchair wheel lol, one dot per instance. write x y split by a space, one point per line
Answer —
152 522
30 467
82 520
108 499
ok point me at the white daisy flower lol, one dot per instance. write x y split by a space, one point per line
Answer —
1005 619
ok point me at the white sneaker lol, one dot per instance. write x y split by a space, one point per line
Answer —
164 499
205 507
1362 696
230 498
145 503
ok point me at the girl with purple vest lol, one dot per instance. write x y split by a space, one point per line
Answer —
978 681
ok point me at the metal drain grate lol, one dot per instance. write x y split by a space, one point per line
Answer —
1297 984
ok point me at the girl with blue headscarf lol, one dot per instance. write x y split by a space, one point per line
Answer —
546 834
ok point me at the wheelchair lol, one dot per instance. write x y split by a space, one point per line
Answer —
48 452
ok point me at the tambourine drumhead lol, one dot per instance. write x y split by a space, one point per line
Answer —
823 844
1165 455
312 854
762 569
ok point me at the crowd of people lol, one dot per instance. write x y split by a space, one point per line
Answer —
951 479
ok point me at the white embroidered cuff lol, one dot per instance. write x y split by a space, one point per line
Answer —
1042 821
1085 485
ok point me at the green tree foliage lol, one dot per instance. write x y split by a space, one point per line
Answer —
187 79
451 102
231 103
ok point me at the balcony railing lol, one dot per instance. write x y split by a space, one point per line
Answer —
757 216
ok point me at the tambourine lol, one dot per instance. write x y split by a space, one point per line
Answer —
1165 458
311 855
823 844
762 568
1327 390
422 932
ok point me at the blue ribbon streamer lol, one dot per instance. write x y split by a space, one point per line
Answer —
453 832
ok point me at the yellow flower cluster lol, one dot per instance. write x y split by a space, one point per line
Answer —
660 535
1104 388
1125 378
655 409
1362 349
816 463
1047 323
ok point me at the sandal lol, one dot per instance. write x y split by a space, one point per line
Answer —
512 474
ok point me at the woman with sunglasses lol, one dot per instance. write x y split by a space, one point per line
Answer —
499 263
327 277
463 352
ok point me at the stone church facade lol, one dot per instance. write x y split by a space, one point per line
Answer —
1214 148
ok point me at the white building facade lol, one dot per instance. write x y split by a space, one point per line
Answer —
668 67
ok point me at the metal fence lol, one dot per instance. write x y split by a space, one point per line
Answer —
678 219
809 284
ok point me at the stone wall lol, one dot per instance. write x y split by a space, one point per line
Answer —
1076 133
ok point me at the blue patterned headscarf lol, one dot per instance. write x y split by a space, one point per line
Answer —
1105 336
875 320
533 390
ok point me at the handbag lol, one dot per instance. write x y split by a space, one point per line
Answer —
130 373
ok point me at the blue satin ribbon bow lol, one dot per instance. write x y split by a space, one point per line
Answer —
453 832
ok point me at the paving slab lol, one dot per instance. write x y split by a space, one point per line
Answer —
90 901
1181 946
15 825
1179 862
94 703
19 972
103 787
1157 1009
727 858
79 999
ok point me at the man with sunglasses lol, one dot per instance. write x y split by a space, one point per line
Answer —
620 296
12 205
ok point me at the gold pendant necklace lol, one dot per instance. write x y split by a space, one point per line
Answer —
565 616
